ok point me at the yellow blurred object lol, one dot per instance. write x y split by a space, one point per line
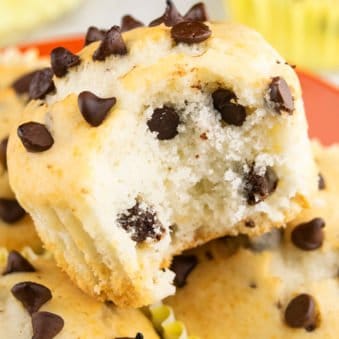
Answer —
306 32
18 17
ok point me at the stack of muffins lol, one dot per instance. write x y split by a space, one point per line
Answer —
185 135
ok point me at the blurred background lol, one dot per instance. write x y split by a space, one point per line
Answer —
306 32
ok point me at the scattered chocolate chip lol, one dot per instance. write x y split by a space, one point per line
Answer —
301 313
182 266
280 96
253 285
3 152
21 85
170 18
138 336
10 211
94 34
112 44
209 255
61 60
190 32
165 122
258 187
196 13
224 101
31 295
309 236
142 223
41 84
128 23
203 136
93 108
250 223
17 263
35 137
46 325
321 182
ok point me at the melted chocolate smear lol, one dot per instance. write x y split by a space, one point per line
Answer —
182 266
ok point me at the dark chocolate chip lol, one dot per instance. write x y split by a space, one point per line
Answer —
280 96
61 60
93 108
224 101
10 211
250 223
94 34
3 152
258 187
253 285
196 13
138 336
41 84
309 236
35 137
170 18
128 23
142 223
182 266
17 263
321 182
21 85
31 295
190 32
46 325
209 255
112 44
301 312
165 122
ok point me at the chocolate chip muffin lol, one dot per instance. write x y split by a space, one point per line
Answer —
282 285
156 140
16 71
37 300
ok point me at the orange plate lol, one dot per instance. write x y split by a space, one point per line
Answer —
321 99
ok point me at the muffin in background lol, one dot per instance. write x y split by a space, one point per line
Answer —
305 32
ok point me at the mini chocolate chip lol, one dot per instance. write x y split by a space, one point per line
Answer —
10 211
31 295
3 152
209 255
309 236
46 325
138 336
182 266
301 313
165 122
203 136
35 137
170 18
93 108
253 285
21 85
321 182
258 187
142 223
250 223
196 13
224 101
41 84
280 95
112 44
17 263
190 32
61 60
128 23
94 34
